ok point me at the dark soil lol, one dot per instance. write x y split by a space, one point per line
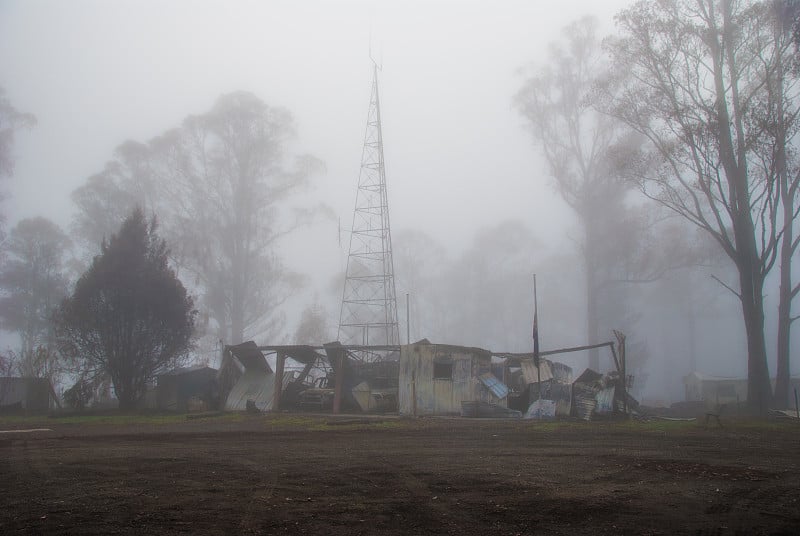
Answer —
303 475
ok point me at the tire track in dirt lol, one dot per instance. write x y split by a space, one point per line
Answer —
253 512
436 510
432 512
19 465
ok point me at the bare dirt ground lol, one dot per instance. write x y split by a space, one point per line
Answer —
313 475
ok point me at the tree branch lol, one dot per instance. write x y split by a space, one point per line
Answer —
718 280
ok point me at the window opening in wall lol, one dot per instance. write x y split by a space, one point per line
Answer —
442 371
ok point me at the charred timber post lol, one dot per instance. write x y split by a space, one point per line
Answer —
616 361
306 371
408 321
624 359
414 391
621 341
280 359
337 391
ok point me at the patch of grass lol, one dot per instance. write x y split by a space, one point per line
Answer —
604 426
17 420
657 425
327 423
113 419
289 421
393 424
294 421
731 424
750 424
127 419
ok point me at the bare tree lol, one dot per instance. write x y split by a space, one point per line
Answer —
492 283
7 364
11 120
219 184
580 147
127 181
420 263
691 76
33 283
314 325
229 174
783 163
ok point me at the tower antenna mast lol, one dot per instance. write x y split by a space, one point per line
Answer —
368 315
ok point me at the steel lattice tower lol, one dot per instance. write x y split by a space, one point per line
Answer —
369 303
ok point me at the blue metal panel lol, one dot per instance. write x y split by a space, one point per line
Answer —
497 387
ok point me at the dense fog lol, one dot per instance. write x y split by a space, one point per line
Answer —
476 208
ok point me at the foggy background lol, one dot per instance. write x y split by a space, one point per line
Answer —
469 195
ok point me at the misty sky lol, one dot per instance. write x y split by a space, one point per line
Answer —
96 73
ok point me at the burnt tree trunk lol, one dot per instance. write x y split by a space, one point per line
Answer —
759 390
733 152
592 325
786 294
592 302
788 194
784 328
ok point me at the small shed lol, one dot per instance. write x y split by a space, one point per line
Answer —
29 395
187 388
714 390
434 379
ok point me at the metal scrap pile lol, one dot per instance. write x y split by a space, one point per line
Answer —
554 394
550 389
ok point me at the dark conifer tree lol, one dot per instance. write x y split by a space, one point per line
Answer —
129 315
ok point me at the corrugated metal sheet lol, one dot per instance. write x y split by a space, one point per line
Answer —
534 375
361 393
586 389
548 370
497 387
589 376
253 385
560 393
371 398
605 400
584 404
541 409
561 372
250 357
